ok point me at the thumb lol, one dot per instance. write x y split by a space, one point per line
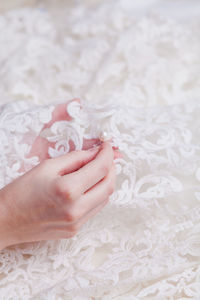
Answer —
73 160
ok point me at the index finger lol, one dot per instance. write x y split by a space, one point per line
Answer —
95 170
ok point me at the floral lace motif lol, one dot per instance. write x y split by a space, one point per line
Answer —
145 244
155 212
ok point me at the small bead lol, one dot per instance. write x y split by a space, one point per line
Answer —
104 136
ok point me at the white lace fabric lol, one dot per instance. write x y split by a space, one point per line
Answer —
145 244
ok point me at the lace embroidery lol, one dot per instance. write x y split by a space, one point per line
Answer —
145 243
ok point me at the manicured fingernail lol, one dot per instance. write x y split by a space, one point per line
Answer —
115 148
94 149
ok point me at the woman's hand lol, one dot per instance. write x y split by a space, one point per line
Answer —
54 199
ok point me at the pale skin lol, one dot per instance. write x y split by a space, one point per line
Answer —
58 196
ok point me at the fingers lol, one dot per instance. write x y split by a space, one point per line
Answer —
90 203
98 193
71 230
97 179
72 161
88 143
94 171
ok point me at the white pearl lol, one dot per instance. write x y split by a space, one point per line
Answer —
104 136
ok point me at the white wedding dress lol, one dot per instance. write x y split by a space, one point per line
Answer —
138 78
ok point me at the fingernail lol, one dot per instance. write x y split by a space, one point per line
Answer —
115 148
94 149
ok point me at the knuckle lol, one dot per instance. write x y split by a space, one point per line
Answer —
57 187
65 190
74 228
69 193
72 215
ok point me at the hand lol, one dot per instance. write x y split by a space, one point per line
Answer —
54 199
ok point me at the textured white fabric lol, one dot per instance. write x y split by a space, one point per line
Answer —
139 80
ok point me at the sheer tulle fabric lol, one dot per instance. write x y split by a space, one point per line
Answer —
145 244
